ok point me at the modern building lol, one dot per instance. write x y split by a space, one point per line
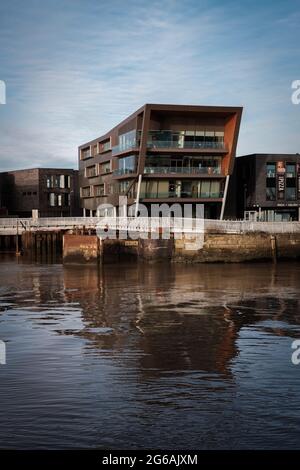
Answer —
52 191
162 154
267 187
3 210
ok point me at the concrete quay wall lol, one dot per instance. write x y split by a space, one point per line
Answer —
216 247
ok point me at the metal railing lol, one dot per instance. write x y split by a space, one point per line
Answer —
185 145
125 171
181 195
123 148
11 225
182 170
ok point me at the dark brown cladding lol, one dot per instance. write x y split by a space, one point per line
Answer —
178 153
266 187
52 191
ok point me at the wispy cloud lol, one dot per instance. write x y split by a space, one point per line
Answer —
75 68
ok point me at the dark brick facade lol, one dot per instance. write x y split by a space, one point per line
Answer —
268 185
52 191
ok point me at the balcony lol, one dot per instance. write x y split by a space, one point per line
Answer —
183 170
182 195
124 148
124 171
169 144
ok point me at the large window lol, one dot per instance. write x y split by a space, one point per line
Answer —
126 165
127 140
58 181
186 139
185 164
181 189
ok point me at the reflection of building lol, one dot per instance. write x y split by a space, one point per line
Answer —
268 187
53 192
162 154
178 319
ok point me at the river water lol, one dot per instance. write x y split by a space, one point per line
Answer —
135 356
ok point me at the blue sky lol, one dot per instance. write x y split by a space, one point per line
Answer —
74 68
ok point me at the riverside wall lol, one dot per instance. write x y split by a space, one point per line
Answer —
216 247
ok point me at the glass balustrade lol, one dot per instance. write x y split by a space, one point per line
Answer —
183 170
158 144
182 195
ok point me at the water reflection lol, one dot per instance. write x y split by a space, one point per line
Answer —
180 338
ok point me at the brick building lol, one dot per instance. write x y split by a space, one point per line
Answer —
162 154
267 187
51 191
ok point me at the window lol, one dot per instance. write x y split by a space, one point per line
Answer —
291 194
126 165
219 136
90 171
52 199
290 170
105 167
104 146
182 189
271 170
99 190
67 199
86 191
123 186
127 140
186 138
110 188
214 189
67 181
94 150
271 193
205 188
85 153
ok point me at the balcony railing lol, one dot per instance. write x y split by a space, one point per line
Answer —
183 170
182 195
124 148
185 145
124 171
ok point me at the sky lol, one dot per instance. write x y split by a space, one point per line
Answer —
73 69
